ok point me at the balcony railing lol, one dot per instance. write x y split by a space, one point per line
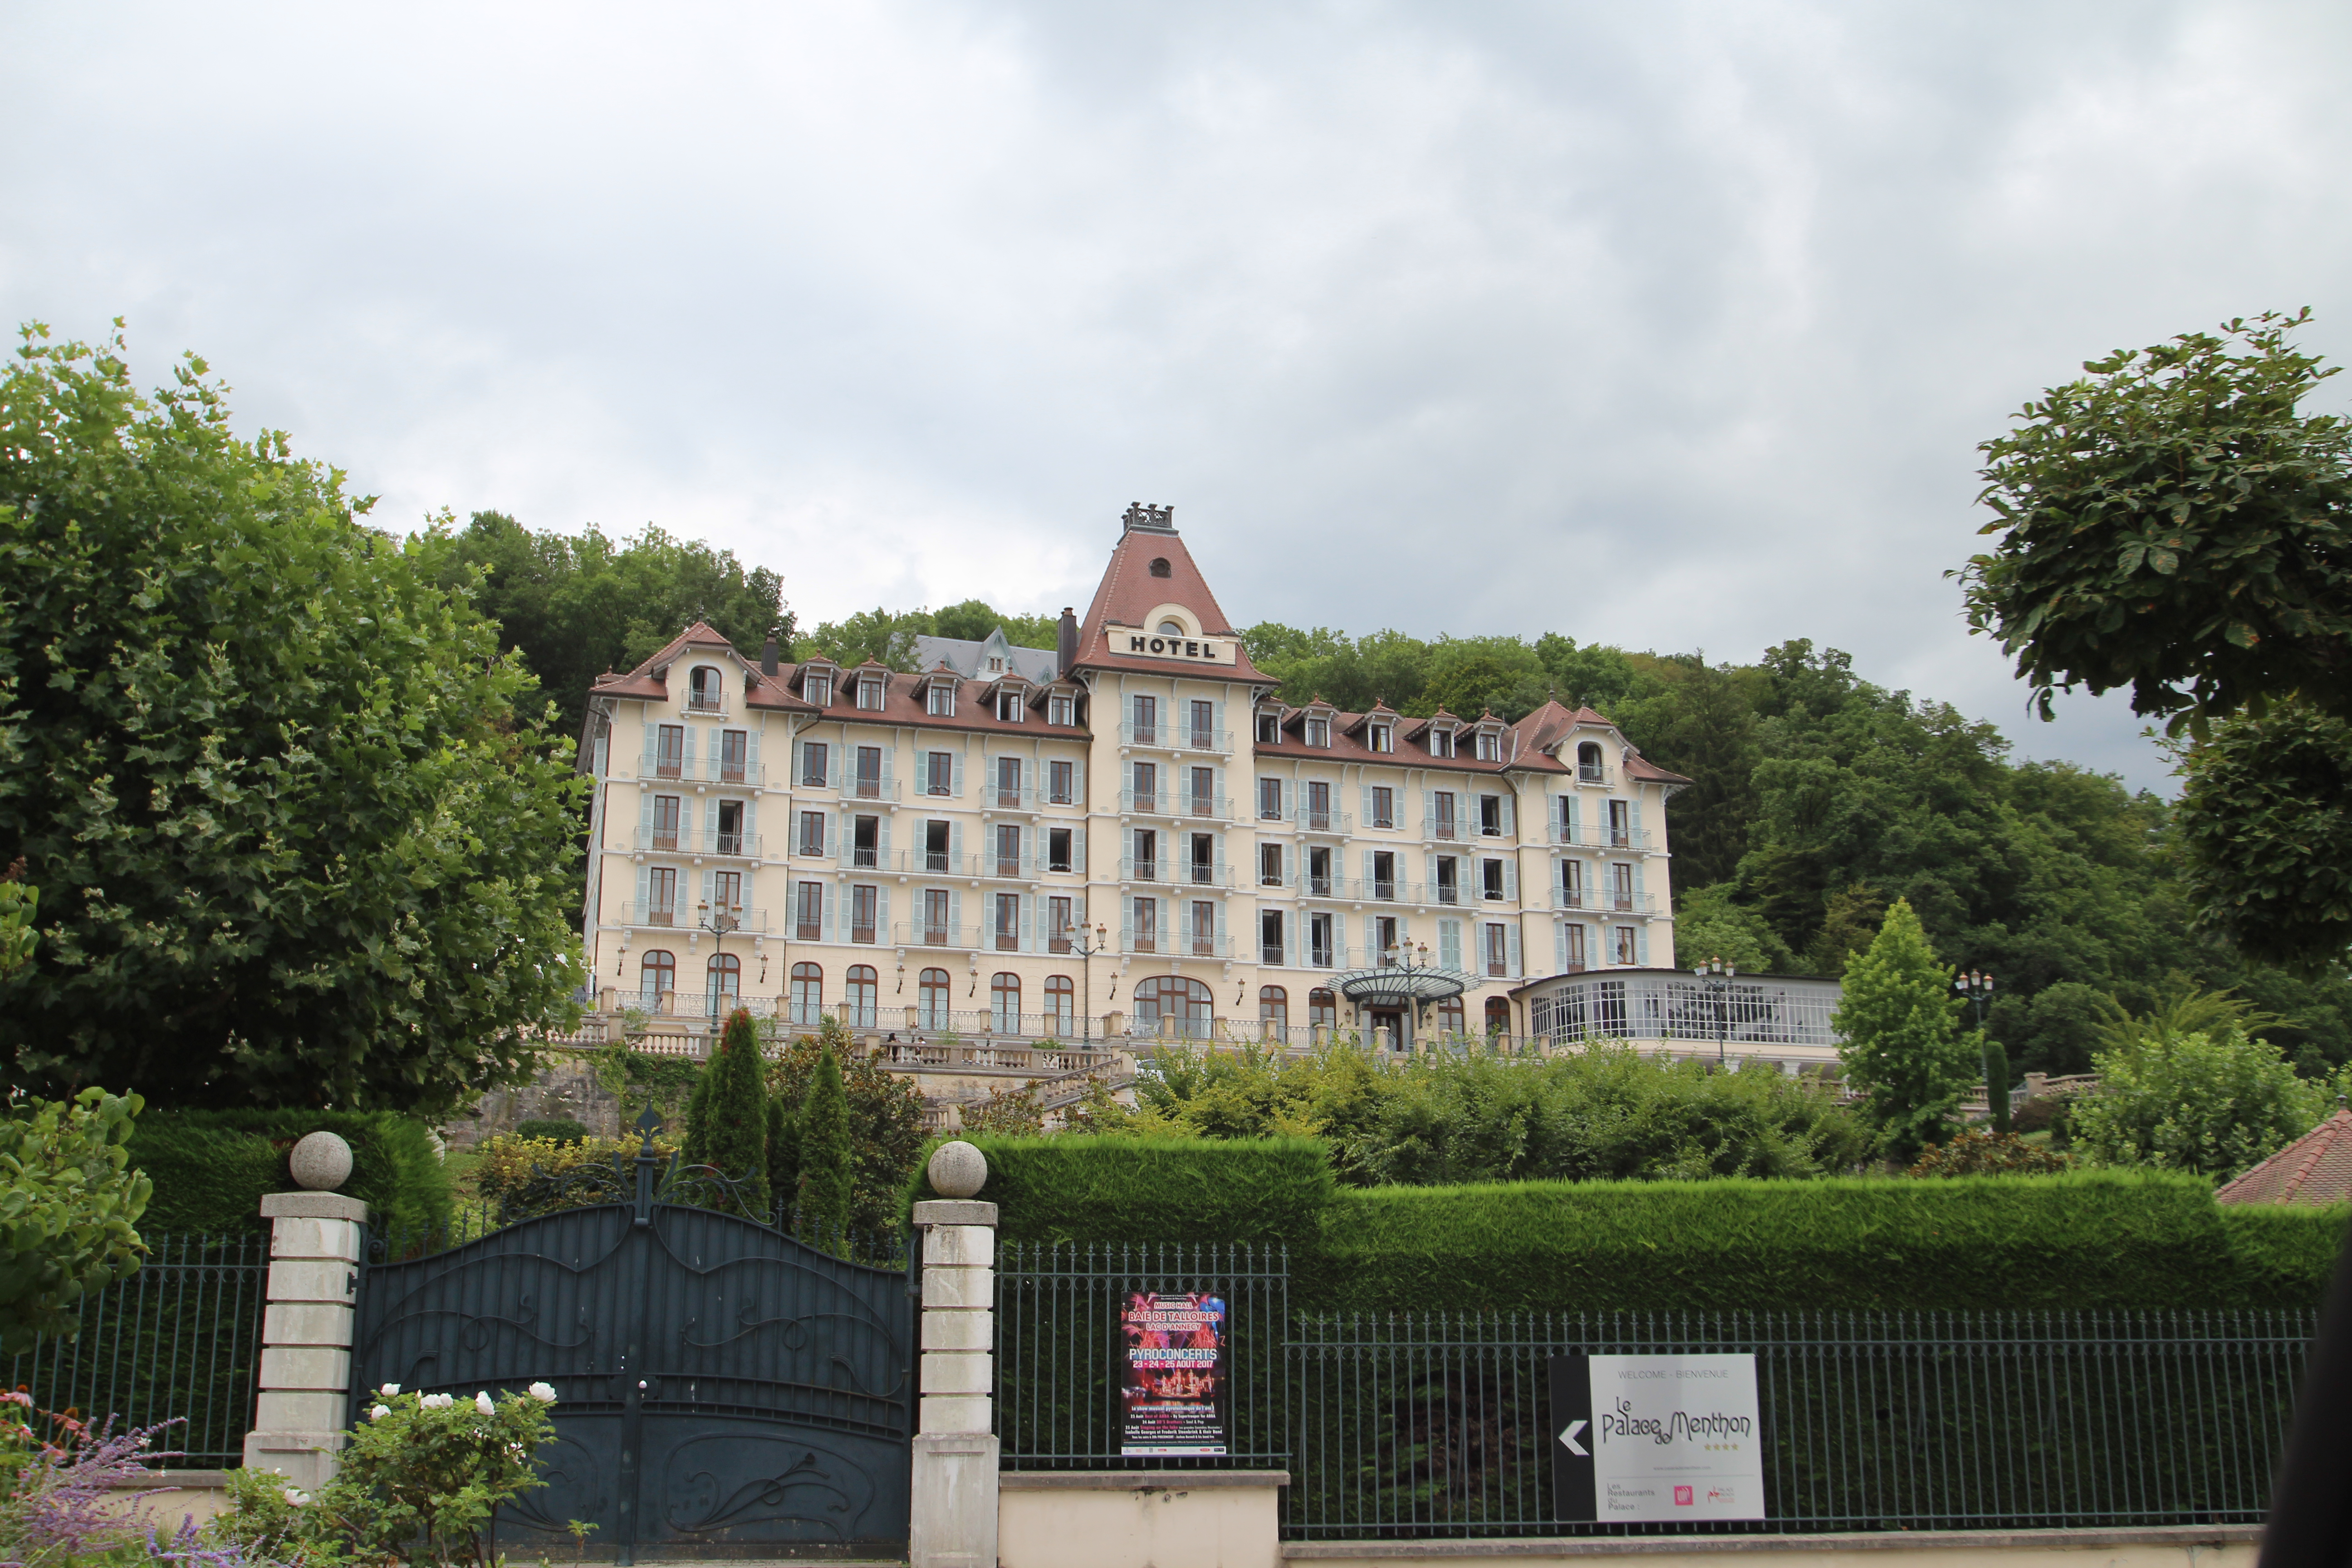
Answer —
1587 836
857 788
1132 869
1602 901
1176 738
681 915
732 846
1205 946
1445 829
924 933
706 703
1020 798
1148 802
1208 807
1306 819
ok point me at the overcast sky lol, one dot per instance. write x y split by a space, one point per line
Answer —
1669 325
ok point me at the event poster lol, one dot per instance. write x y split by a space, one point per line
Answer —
1172 1386
1656 1437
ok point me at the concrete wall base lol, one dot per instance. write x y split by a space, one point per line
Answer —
1140 1519
953 1522
2181 1546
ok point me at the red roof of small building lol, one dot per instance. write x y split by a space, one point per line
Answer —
2315 1169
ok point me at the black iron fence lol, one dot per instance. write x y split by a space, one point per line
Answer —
1434 1425
181 1337
1060 1343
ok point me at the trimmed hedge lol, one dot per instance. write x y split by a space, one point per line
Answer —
2082 1239
2077 1240
211 1167
1082 1188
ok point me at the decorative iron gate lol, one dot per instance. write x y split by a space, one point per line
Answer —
723 1389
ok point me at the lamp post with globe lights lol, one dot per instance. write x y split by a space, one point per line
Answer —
1718 976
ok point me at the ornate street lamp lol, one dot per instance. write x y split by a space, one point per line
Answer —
1716 976
1977 987
1085 950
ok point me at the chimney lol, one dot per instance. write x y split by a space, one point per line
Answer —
1066 644
768 653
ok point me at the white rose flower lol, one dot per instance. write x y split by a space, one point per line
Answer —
482 1403
380 1412
543 1392
389 1389
297 1497
436 1401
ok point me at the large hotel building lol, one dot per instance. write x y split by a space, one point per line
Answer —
1125 835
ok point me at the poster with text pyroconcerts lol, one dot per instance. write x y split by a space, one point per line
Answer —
1172 1386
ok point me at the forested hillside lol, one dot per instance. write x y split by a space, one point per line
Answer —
1818 798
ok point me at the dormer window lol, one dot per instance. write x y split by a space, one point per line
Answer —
1008 708
704 694
1171 628
1319 731
1490 746
1382 737
995 666
1588 764
1061 708
1159 566
870 693
942 699
818 688
1269 728
1441 743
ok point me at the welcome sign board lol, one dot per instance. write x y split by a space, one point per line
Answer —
1643 1438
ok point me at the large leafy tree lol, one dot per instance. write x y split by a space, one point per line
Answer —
298 833
2174 521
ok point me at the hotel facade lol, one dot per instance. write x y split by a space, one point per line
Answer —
1124 836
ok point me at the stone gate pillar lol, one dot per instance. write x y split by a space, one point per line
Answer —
306 1325
953 1522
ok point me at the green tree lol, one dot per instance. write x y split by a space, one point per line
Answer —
785 1150
2212 1103
68 1206
886 1119
1996 1067
575 606
1903 1044
2266 813
2175 523
298 833
727 1124
827 1182
1708 924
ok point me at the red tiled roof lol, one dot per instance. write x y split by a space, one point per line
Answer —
1129 593
2315 1169
1413 750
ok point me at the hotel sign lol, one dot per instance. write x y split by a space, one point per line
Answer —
1200 650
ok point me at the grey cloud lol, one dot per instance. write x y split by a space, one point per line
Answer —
1674 325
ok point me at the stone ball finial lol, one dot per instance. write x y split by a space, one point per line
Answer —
320 1163
958 1170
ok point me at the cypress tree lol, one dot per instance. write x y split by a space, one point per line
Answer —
784 1152
694 1148
731 1131
825 1176
1996 1060
1902 1042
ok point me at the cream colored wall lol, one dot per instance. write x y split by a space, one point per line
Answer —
1181 1523
2037 1549
1234 981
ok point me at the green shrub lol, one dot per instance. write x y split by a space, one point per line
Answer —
552 1129
2084 1239
2284 1251
68 1200
1079 1187
211 1167
1987 1154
